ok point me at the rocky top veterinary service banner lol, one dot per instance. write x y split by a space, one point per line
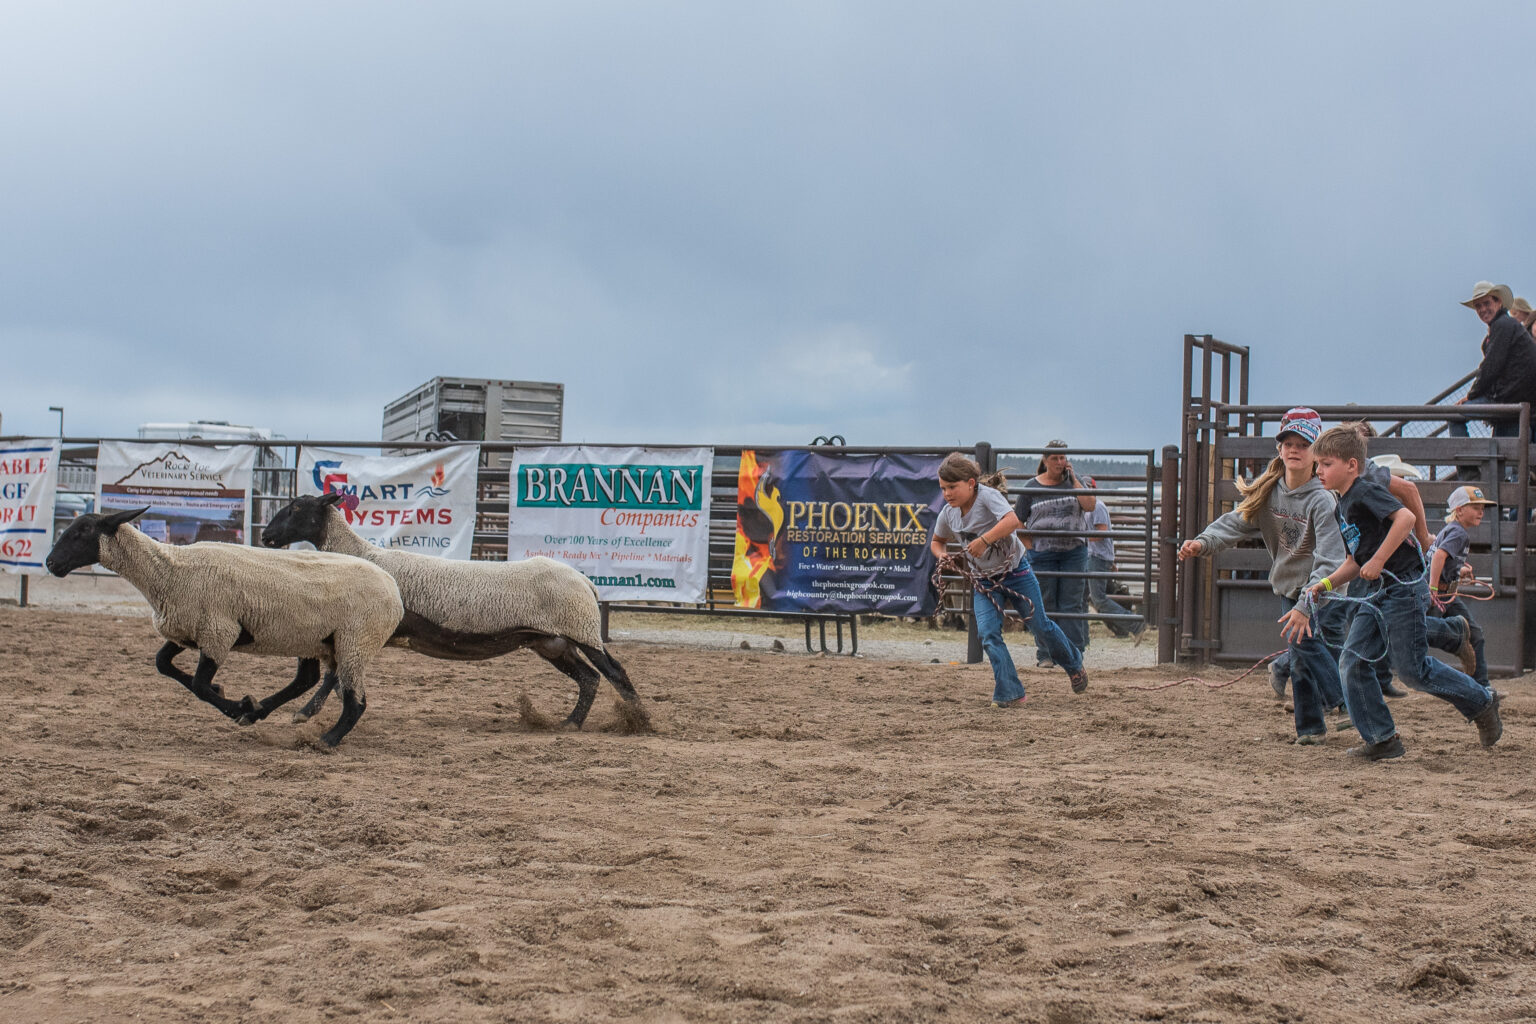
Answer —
835 532
194 492
29 478
423 503
634 520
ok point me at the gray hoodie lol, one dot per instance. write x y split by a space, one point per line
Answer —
1299 529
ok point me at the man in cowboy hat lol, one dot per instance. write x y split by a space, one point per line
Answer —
1507 374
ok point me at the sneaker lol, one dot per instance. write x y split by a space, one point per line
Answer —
1277 679
1017 702
1312 739
1079 680
1489 725
1341 719
1386 749
1044 663
1391 689
1466 652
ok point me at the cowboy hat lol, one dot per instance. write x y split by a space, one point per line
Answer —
1498 291
1397 467
1521 306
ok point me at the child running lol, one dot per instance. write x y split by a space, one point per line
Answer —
1447 565
1289 509
1390 622
977 514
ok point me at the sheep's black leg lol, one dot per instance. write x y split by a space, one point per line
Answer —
586 683
609 666
352 707
316 702
201 686
165 663
304 680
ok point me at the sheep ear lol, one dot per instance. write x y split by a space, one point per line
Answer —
109 524
334 498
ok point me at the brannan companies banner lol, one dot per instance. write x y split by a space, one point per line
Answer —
635 521
835 532
29 479
423 503
194 492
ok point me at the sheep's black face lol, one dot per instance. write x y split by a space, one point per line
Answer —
80 544
303 518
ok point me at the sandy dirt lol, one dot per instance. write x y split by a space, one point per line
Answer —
800 839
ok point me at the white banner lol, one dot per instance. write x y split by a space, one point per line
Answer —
194 492
423 503
634 520
29 478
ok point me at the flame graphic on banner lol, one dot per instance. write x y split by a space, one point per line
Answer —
438 476
759 516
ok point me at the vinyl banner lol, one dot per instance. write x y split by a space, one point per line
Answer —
835 532
423 503
634 520
194 492
29 478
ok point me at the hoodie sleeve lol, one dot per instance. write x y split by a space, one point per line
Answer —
1329 552
1227 531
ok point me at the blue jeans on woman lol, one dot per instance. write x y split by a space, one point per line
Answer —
1392 624
1062 595
1098 596
1315 684
1020 591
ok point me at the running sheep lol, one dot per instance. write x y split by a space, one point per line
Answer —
220 598
470 611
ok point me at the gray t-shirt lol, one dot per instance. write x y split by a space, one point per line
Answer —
986 512
1100 547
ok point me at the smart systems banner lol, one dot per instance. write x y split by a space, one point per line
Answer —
835 532
634 520
423 503
194 492
29 478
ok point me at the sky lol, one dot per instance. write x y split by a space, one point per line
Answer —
721 223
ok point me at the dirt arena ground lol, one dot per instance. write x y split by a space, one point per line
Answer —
800 839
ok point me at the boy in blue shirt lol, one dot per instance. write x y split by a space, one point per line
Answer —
1448 561
1375 525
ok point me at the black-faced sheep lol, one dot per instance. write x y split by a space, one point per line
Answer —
470 611
219 598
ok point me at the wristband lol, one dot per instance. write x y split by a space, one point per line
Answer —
1327 583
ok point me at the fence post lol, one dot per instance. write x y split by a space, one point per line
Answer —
1168 560
23 601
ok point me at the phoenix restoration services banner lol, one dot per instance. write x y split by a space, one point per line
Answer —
194 492
423 503
835 532
29 478
634 520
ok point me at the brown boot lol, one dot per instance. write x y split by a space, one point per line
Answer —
1489 725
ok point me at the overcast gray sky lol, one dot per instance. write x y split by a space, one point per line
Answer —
726 223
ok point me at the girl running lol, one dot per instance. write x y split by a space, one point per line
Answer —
978 515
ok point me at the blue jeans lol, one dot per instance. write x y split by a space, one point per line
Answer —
1501 427
1024 599
1062 595
1314 677
1330 622
1444 636
1098 596
1393 625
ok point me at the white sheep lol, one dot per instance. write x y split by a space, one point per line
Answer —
219 598
473 610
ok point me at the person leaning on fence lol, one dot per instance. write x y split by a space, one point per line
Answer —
1291 512
1507 373
977 515
1038 509
1393 598
1101 558
1448 567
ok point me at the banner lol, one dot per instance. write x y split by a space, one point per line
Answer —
194 492
634 520
423 503
835 532
29 478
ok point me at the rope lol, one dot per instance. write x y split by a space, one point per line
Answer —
984 585
1213 686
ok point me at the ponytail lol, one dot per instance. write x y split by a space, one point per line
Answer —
1256 495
